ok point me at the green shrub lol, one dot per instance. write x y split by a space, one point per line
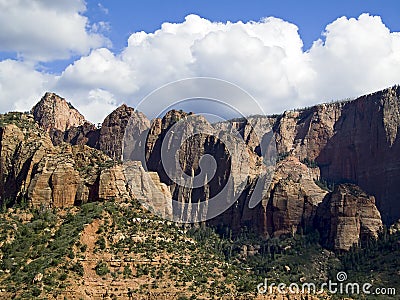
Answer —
309 163
78 269
101 243
83 248
101 268
63 276
36 291
127 271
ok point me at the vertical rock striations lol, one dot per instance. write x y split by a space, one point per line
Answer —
345 142
347 217
113 130
54 112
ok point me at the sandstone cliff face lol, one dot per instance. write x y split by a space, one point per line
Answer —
305 133
289 204
112 184
53 112
347 217
86 134
21 148
354 141
32 169
111 139
292 199
193 138
73 175
365 147
55 181
147 188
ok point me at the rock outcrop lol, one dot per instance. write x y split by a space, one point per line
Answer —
111 138
86 134
22 145
33 170
289 205
345 142
55 180
347 217
54 112
365 147
147 188
112 184
353 141
293 199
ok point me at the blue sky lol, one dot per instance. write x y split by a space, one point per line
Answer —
311 16
310 52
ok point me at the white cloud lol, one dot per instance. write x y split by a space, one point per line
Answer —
100 70
43 30
97 104
258 56
21 86
358 56
266 58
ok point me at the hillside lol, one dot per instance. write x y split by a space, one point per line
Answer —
118 249
87 210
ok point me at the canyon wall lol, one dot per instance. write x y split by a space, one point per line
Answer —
339 160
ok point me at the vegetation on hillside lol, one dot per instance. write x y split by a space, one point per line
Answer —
42 254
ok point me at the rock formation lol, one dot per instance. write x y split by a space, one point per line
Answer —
55 180
147 188
54 112
86 134
347 217
22 145
111 139
344 142
32 169
353 141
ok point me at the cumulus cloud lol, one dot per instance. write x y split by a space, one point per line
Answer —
266 58
98 105
357 56
21 85
101 69
43 30
261 57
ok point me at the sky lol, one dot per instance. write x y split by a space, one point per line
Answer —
286 54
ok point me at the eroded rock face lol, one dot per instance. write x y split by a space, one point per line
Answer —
74 175
365 147
289 203
54 112
348 216
293 199
148 189
354 141
305 133
55 181
86 134
112 184
22 145
113 130
33 169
